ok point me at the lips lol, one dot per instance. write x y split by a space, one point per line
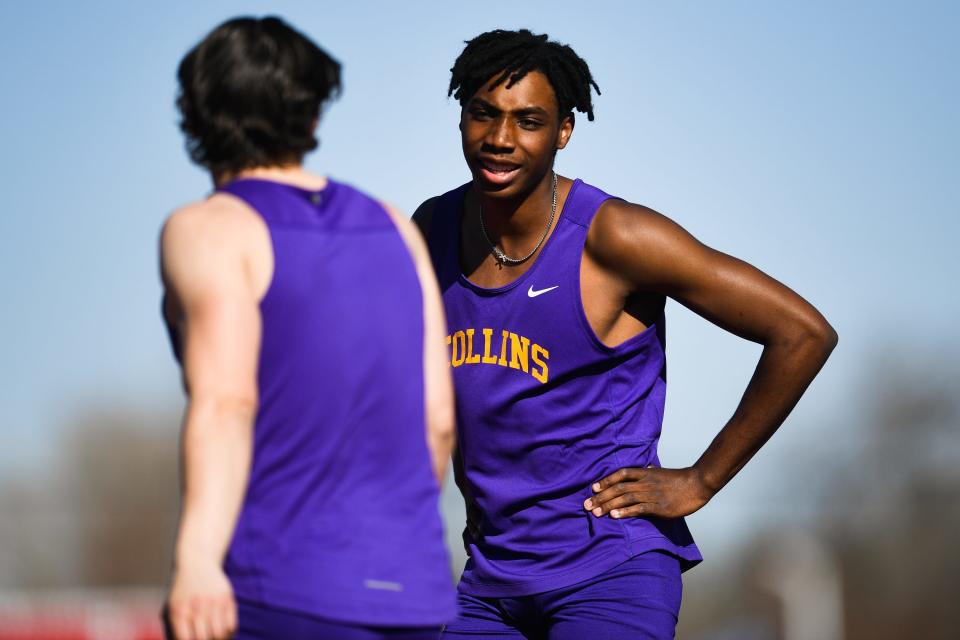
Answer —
498 172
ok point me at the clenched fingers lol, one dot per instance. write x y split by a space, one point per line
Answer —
214 619
221 620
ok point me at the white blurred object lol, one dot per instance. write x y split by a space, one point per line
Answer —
802 573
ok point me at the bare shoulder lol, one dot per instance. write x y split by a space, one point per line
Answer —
644 247
423 216
210 239
215 220
622 229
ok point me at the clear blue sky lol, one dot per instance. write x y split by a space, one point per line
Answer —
819 141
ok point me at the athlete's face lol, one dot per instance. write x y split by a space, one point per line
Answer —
510 135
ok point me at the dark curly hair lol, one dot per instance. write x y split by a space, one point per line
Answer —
507 56
251 93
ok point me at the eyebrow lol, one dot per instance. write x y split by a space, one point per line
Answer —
525 111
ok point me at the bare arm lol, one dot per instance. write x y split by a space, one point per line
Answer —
438 384
206 274
653 254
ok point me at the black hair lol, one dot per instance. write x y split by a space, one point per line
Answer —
514 54
251 93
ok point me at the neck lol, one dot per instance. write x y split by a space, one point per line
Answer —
288 174
516 218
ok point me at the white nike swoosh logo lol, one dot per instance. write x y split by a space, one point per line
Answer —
533 293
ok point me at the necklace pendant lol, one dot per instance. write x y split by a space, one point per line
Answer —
502 257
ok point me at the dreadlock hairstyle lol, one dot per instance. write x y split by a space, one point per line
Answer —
514 54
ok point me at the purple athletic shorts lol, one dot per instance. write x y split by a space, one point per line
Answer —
639 598
262 623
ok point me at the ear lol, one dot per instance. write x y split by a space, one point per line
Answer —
566 130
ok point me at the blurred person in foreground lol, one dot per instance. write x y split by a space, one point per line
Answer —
555 293
310 331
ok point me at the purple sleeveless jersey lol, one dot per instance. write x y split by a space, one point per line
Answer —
341 516
544 410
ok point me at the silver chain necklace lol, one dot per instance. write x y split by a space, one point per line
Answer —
503 258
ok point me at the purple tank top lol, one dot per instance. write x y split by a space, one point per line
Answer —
545 409
341 517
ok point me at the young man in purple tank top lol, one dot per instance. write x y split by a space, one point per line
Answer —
554 293
300 391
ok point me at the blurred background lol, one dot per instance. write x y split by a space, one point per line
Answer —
819 141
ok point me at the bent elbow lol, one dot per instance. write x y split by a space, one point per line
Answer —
210 409
817 335
825 336
832 339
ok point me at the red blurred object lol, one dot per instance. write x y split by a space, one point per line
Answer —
81 615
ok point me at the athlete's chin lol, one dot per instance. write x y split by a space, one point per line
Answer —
498 185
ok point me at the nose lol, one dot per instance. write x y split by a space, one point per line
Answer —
499 136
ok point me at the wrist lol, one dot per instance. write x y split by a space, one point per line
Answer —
707 485
196 553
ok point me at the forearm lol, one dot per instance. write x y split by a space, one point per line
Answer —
438 389
785 370
441 442
438 381
438 384
216 453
